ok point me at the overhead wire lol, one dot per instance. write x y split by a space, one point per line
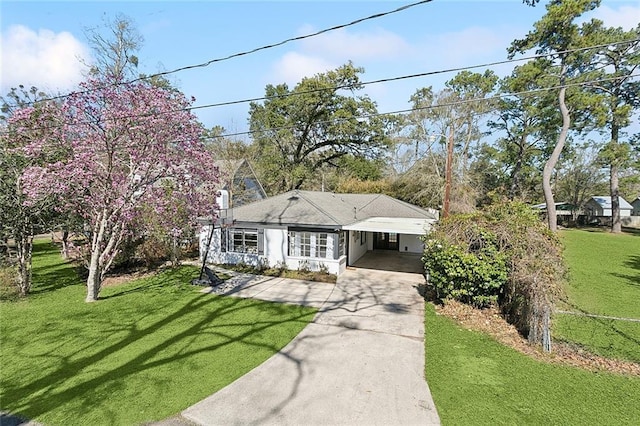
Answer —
405 77
441 105
366 83
254 50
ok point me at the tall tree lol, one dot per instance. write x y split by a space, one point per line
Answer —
297 132
455 112
524 121
115 46
557 34
621 95
19 219
124 146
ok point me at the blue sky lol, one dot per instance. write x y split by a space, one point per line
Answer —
42 41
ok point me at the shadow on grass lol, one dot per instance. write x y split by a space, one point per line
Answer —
50 390
606 323
632 262
607 229
53 273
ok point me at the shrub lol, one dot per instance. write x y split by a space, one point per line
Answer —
502 253
475 278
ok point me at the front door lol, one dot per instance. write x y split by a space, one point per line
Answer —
385 241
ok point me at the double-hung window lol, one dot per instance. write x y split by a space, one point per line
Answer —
308 244
242 240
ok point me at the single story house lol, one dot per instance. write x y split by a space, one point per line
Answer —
635 204
565 212
314 230
600 207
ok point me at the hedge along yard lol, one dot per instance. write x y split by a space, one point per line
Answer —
476 380
604 280
144 352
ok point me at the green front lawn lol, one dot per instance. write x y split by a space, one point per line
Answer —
475 380
604 280
146 351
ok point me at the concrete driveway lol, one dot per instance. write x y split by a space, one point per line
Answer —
360 362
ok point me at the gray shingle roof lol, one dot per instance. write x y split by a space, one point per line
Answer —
310 208
605 202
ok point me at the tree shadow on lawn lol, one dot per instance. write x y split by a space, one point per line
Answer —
51 276
49 391
632 262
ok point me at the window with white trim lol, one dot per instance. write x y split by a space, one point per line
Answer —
241 240
308 244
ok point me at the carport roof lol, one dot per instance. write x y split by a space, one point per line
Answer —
392 224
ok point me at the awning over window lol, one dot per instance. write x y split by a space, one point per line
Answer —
396 225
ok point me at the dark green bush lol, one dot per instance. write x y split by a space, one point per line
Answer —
504 253
476 277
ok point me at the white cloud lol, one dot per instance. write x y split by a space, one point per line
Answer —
47 60
341 45
331 50
626 17
293 66
466 47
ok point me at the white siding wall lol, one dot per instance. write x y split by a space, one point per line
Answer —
412 243
357 250
275 252
216 255
275 246
333 266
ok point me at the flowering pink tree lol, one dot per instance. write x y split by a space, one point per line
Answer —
123 145
18 220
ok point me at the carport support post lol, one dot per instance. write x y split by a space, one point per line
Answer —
448 167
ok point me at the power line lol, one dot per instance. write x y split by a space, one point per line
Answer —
257 49
442 105
405 77
427 107
384 80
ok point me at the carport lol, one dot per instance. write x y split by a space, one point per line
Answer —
387 243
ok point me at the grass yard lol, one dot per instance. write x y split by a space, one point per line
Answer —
144 352
475 380
604 280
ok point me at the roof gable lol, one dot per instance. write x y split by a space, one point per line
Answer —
604 201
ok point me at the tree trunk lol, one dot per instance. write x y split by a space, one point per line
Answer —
514 187
616 225
94 280
65 244
553 160
24 243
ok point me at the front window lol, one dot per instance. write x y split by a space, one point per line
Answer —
243 240
308 244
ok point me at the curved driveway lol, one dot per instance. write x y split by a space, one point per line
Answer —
360 362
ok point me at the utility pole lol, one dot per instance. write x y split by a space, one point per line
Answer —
447 182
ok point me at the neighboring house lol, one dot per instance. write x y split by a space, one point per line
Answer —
600 207
239 179
566 213
635 204
316 230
